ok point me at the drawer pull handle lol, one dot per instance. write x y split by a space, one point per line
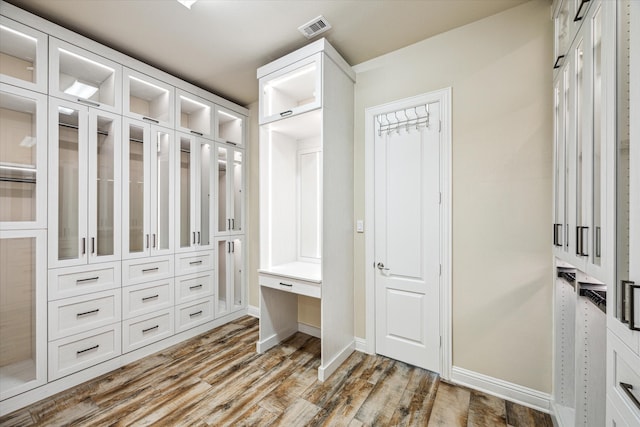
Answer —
86 313
149 119
579 15
144 331
197 133
559 62
195 287
88 279
88 349
195 262
148 270
86 101
145 299
627 389
286 113
197 313
286 284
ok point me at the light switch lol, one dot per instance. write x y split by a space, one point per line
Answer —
360 226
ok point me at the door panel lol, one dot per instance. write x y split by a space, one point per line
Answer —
407 230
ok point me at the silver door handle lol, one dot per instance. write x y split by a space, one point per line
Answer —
381 266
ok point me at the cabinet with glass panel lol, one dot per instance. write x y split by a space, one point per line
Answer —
23 56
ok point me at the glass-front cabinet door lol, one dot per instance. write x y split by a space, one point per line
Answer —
148 176
194 115
23 311
23 56
230 270
229 126
82 76
148 99
230 189
291 90
23 158
84 185
194 214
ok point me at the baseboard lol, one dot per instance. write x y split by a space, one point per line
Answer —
513 392
325 371
253 311
309 330
361 345
274 340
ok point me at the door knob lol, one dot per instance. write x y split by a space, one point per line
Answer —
381 266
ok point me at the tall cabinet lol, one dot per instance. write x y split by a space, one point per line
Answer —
122 209
306 197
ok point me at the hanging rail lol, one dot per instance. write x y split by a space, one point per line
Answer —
407 119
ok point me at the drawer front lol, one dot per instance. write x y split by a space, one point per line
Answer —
146 270
194 263
192 314
79 314
74 281
73 354
146 298
300 287
623 376
193 287
146 329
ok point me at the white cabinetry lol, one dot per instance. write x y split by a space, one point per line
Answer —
78 75
306 197
23 56
230 126
148 172
230 292
193 114
195 209
148 99
229 186
84 184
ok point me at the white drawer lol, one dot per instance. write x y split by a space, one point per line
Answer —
74 281
192 314
193 287
623 376
194 262
146 298
146 329
78 352
79 314
300 287
146 270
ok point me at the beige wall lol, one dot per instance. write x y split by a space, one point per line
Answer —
500 73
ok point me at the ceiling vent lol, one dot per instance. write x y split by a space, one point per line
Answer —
314 27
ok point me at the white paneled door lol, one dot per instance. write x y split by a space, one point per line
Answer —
407 236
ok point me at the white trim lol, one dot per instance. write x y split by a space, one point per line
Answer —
361 345
253 311
325 370
503 389
274 340
442 96
309 330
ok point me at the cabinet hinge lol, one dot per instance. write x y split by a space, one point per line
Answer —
441 269
440 198
439 125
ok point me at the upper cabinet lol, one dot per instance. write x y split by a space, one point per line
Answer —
291 90
84 184
23 158
23 56
148 99
193 114
148 175
229 126
81 76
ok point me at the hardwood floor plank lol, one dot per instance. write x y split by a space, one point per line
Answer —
218 379
451 406
486 410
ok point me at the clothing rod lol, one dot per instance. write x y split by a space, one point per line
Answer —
136 140
66 125
22 180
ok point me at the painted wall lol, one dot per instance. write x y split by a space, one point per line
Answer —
500 73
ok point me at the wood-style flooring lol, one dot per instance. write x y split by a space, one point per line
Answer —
218 379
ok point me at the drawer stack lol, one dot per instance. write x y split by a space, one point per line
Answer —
84 317
194 293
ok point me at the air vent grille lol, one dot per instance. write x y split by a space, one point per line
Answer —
314 27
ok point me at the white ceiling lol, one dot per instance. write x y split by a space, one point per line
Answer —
219 44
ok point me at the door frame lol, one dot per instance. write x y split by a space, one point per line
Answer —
443 96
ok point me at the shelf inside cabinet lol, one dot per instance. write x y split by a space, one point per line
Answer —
230 126
148 98
194 115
